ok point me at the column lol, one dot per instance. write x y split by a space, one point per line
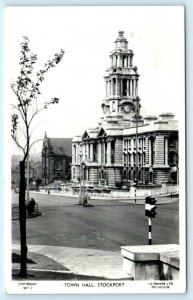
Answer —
128 87
118 87
121 87
91 151
109 88
109 152
131 61
134 87
99 152
103 151
106 88
102 155
166 151
114 61
127 59
119 60
85 151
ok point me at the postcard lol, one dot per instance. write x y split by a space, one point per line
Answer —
94 106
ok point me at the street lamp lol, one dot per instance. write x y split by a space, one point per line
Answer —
80 189
83 168
27 169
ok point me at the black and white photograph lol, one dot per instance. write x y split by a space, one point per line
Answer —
94 106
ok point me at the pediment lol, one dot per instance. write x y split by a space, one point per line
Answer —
102 133
85 135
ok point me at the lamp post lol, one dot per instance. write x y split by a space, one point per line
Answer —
80 189
27 170
83 168
136 138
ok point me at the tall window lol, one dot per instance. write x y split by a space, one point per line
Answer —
129 158
95 152
134 143
112 152
134 158
124 87
144 158
75 153
114 86
105 152
152 150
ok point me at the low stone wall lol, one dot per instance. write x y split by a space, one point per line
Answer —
142 191
153 262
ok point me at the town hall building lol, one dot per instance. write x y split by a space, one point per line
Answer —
125 147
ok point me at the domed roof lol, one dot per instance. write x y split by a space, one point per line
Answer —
121 42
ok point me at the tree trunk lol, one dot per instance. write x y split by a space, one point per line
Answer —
22 221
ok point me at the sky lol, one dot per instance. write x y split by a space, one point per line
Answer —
87 35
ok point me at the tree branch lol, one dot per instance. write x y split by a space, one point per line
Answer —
17 143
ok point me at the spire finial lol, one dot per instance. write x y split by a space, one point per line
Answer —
121 32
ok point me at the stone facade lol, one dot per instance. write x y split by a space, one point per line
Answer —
125 147
56 159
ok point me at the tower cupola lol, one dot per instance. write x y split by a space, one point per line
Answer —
122 99
121 42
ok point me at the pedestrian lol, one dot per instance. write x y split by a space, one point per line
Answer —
85 198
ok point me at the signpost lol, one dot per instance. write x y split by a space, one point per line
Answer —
150 212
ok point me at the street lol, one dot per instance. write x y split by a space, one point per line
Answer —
107 225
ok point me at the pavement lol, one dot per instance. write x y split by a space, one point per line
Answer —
161 199
79 261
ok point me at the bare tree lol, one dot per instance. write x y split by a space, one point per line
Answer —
27 90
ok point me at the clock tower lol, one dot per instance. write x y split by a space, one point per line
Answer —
121 102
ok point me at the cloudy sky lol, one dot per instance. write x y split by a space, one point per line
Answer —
87 34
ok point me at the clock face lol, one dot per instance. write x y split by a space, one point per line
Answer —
127 108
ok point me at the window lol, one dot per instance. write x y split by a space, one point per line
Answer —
134 158
129 158
74 153
95 152
139 158
124 87
129 143
105 152
125 159
114 86
113 152
58 166
143 158
134 143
